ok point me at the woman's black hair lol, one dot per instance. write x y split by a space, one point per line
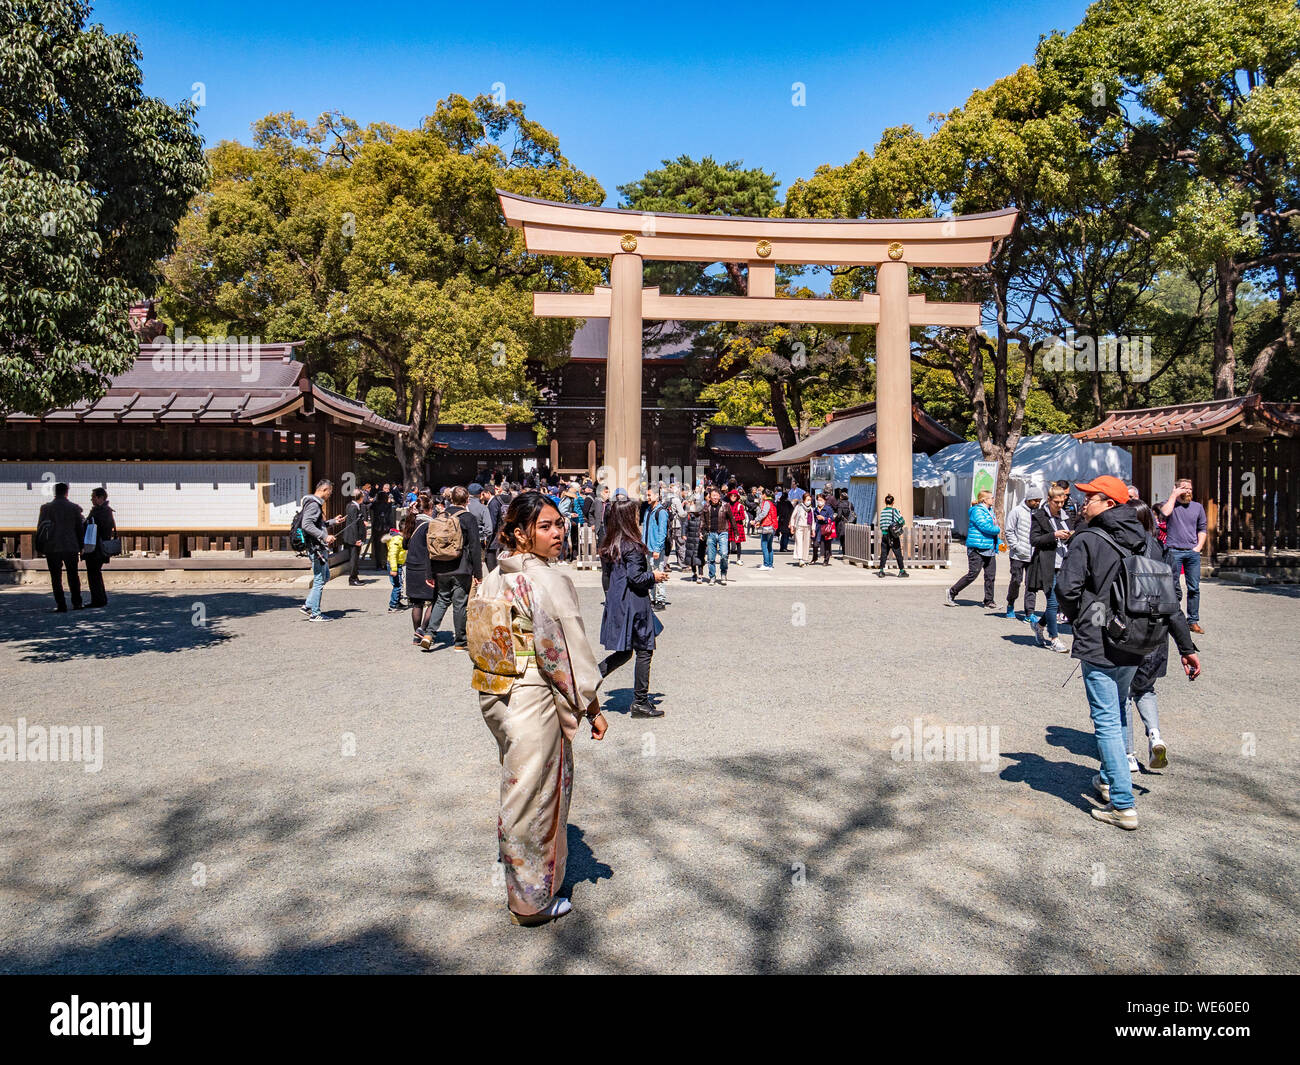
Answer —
413 512
522 515
622 530
1144 515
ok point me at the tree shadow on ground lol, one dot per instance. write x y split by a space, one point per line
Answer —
132 623
755 862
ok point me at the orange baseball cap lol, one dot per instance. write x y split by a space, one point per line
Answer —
1111 487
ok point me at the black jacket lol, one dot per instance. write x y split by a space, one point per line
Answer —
354 525
105 528
628 623
417 562
1090 567
470 563
1041 568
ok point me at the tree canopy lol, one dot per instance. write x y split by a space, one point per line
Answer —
383 249
94 176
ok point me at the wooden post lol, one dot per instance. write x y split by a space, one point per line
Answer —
893 391
623 373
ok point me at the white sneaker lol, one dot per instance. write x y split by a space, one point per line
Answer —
948 600
1133 764
1125 819
1057 646
1158 755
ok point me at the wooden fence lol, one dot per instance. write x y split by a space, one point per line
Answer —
1258 494
922 545
176 545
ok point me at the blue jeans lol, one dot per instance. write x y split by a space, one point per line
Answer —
1107 688
765 539
320 573
1188 559
658 565
396 580
1050 611
715 544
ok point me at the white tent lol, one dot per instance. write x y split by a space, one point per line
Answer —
859 473
1038 461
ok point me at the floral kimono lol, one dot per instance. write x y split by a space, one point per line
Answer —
533 718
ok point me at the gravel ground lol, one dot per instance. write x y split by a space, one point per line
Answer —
764 824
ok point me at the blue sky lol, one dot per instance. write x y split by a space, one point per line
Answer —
623 86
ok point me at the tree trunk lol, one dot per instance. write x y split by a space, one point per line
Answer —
781 413
1259 367
413 448
1227 278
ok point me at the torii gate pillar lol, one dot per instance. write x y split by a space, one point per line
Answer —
893 390
623 370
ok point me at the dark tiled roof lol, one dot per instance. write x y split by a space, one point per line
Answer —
485 439
746 440
1208 418
213 385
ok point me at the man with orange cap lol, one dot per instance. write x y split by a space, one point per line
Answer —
1092 563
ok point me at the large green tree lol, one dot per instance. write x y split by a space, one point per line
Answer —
94 176
1208 92
384 249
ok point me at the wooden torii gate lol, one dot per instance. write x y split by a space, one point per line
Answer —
628 238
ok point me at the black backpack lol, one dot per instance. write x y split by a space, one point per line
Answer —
1139 603
298 538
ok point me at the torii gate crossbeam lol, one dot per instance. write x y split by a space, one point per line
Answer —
627 238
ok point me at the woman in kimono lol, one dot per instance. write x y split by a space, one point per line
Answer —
534 714
629 625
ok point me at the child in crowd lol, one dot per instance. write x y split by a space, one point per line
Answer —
396 568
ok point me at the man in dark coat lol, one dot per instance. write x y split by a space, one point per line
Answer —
59 529
354 533
1084 582
784 511
1049 536
382 511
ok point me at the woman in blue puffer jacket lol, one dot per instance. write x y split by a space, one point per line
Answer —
981 548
